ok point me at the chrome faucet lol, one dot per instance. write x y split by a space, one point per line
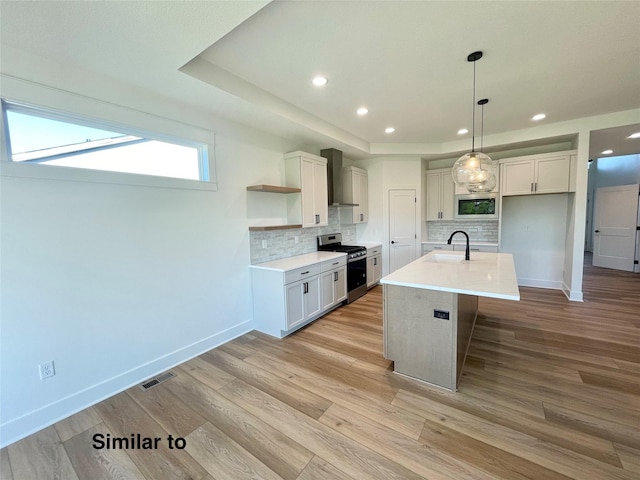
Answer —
466 252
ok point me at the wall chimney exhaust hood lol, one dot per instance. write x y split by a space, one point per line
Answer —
334 177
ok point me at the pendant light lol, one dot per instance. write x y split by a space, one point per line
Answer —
474 170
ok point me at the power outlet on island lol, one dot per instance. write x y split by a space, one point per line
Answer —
46 370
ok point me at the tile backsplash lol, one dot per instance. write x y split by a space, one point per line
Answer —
282 243
478 230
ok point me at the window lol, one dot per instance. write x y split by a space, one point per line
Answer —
43 137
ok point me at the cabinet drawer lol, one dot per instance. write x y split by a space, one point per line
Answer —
302 273
335 263
372 252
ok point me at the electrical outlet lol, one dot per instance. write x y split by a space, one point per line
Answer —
46 370
264 244
296 239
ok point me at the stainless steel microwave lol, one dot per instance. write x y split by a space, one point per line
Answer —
477 206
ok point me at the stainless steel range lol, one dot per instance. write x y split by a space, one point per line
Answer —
356 263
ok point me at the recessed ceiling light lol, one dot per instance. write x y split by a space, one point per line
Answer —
462 131
607 152
389 130
319 81
362 111
539 116
634 135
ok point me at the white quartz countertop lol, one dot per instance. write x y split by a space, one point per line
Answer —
369 244
485 275
298 261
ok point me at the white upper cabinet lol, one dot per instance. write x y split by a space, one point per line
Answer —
355 189
309 173
440 200
536 174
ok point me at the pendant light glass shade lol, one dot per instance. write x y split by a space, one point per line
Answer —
475 171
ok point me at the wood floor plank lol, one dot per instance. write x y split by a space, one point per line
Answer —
276 450
342 452
630 458
548 455
100 464
400 420
77 423
168 410
430 463
630 385
41 456
5 465
305 401
123 416
494 461
223 458
319 469
206 373
626 434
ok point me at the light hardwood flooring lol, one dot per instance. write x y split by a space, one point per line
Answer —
550 390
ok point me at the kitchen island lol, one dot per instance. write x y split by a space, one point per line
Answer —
430 309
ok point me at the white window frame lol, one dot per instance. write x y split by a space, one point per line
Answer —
105 115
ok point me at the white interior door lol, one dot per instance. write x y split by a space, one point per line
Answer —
402 228
614 223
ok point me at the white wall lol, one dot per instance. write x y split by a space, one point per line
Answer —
534 229
116 283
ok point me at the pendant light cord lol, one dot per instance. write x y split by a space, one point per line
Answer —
473 111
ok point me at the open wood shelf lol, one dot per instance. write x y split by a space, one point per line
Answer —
273 227
272 189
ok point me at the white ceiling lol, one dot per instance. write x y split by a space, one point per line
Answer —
252 62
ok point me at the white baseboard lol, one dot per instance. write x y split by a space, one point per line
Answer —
573 296
36 420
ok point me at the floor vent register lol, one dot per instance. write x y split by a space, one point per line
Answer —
156 381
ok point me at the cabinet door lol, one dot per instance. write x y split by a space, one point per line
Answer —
313 297
370 272
552 175
517 178
363 197
340 284
320 194
307 185
377 268
447 199
433 196
294 298
328 290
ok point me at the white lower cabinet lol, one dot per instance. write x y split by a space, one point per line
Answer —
334 285
374 265
285 300
303 300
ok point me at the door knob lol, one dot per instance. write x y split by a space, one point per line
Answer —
393 241
597 231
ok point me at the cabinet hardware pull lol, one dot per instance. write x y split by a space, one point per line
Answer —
535 187
304 273
306 287
362 217
375 261
532 186
317 218
335 276
335 263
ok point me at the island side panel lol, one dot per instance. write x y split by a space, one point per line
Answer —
467 313
421 345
